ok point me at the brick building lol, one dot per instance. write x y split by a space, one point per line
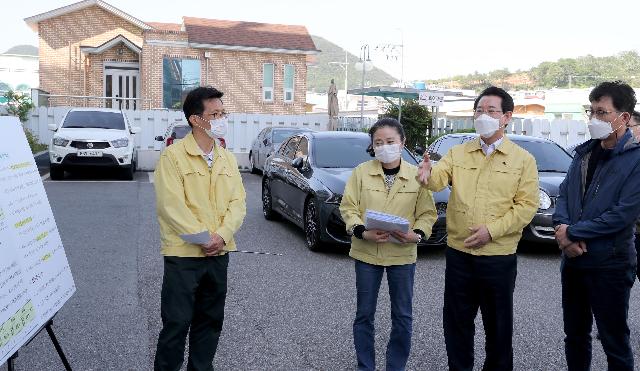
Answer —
92 53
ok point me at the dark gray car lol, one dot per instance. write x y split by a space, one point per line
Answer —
553 162
267 142
305 179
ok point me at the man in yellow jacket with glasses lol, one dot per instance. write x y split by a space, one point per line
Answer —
199 191
494 195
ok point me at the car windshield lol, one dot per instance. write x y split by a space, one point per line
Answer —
181 131
280 135
549 156
94 119
332 152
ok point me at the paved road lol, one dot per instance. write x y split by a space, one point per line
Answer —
283 313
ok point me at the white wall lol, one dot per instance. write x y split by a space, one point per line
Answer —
563 132
242 130
19 69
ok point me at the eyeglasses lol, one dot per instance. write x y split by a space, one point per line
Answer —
490 112
216 115
599 113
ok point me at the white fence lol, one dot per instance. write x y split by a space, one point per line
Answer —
563 132
242 129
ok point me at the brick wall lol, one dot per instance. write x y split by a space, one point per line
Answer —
65 70
62 65
238 74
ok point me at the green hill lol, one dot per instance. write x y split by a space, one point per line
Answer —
580 72
319 76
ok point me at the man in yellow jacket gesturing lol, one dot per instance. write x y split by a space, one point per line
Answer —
198 189
494 195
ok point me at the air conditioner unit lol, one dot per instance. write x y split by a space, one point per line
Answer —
208 54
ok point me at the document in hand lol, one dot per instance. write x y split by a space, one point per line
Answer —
385 222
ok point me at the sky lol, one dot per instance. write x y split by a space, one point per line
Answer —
440 38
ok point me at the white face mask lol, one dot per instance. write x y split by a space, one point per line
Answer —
486 125
600 129
388 153
218 128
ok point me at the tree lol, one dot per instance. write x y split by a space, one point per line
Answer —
4 87
415 120
19 105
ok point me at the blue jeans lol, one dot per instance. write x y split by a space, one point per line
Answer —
400 280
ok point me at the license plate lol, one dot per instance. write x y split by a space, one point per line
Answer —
89 153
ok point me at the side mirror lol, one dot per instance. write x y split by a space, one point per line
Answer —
136 129
265 142
419 150
297 163
160 138
52 127
434 156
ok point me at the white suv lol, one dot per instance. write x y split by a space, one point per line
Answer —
89 137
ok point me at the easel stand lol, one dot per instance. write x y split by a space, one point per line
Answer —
56 344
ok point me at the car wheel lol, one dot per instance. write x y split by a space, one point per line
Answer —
267 204
252 163
312 226
56 173
127 173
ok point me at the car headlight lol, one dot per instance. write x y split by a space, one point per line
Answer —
59 141
545 200
119 143
334 199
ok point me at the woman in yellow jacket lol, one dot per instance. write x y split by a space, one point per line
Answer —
386 184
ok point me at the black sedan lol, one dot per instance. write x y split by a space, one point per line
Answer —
553 162
304 181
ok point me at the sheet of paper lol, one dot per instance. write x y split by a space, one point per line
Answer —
386 222
197 238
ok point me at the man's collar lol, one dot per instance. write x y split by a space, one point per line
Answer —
503 145
193 148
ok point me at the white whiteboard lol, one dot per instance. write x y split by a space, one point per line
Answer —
35 278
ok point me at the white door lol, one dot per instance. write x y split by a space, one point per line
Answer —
122 82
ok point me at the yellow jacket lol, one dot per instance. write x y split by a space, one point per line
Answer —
191 198
365 189
499 191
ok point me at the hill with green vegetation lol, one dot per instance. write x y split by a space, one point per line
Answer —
581 72
320 74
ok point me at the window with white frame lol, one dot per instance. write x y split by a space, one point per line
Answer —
267 82
289 72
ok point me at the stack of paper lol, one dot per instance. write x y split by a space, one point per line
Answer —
385 222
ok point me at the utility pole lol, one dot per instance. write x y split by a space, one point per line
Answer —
364 58
345 66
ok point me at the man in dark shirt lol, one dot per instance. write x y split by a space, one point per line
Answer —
599 201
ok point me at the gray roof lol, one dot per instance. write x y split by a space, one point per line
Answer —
23 50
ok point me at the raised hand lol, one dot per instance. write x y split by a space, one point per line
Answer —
424 170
